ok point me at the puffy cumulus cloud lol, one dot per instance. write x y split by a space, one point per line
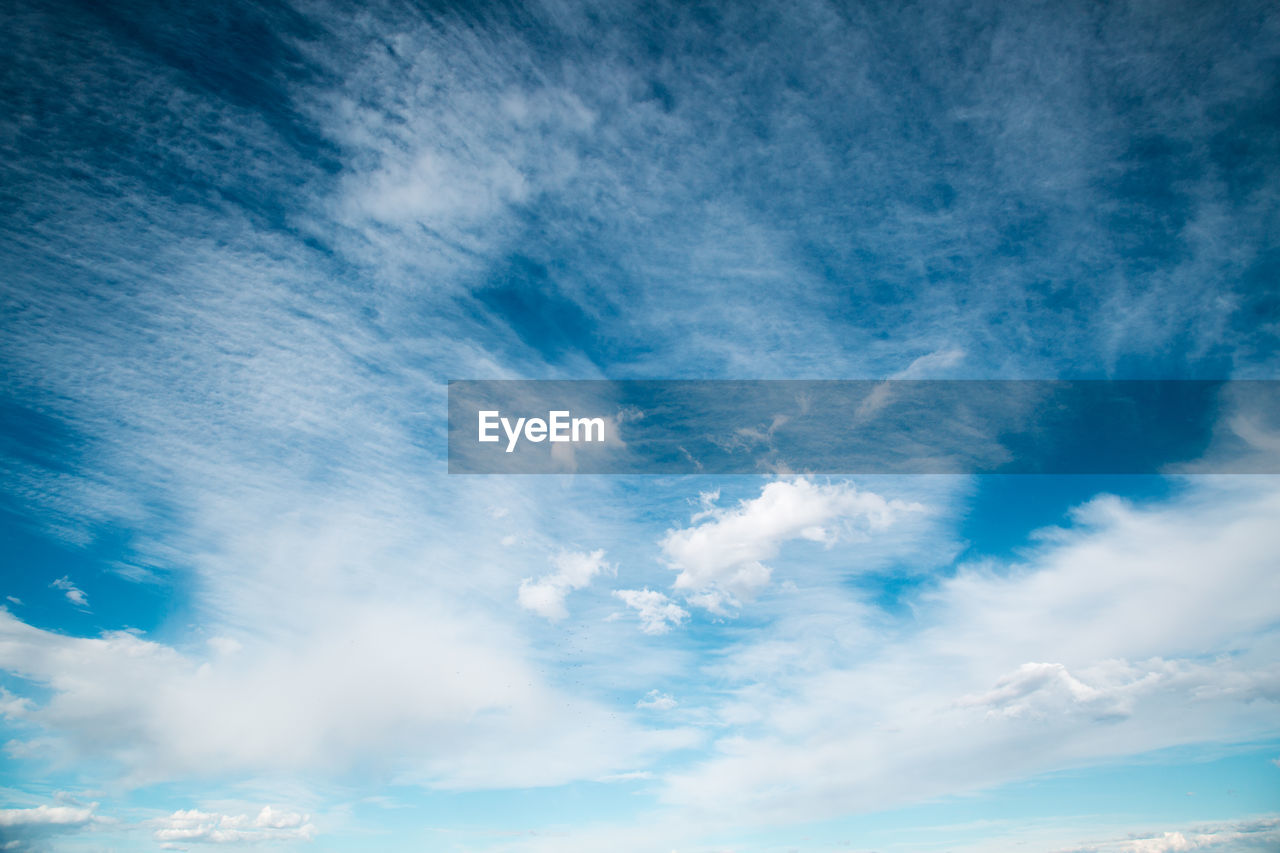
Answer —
74 594
46 816
26 829
720 558
657 613
574 570
1254 834
433 696
657 701
1136 629
192 826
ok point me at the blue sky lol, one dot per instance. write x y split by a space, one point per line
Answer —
244 248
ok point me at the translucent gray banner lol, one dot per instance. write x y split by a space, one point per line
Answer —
864 427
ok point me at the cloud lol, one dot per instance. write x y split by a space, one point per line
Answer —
720 558
657 701
1106 640
657 613
13 706
196 827
633 776
925 367
74 594
1252 834
574 570
46 816
1043 688
431 695
930 365
25 829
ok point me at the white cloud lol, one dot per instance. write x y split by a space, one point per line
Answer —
657 701
46 816
657 613
926 366
13 706
1252 834
424 692
31 828
1133 631
1043 688
74 594
633 776
574 570
720 559
196 827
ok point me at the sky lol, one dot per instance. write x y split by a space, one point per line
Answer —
245 247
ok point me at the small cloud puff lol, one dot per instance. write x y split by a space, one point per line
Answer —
196 827
657 612
574 570
657 701
74 594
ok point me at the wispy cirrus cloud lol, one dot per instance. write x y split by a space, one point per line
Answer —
73 593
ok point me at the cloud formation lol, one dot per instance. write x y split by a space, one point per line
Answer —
247 249
720 557
30 828
1256 834
574 570
1125 607
192 826
657 700
658 614
395 690
74 594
